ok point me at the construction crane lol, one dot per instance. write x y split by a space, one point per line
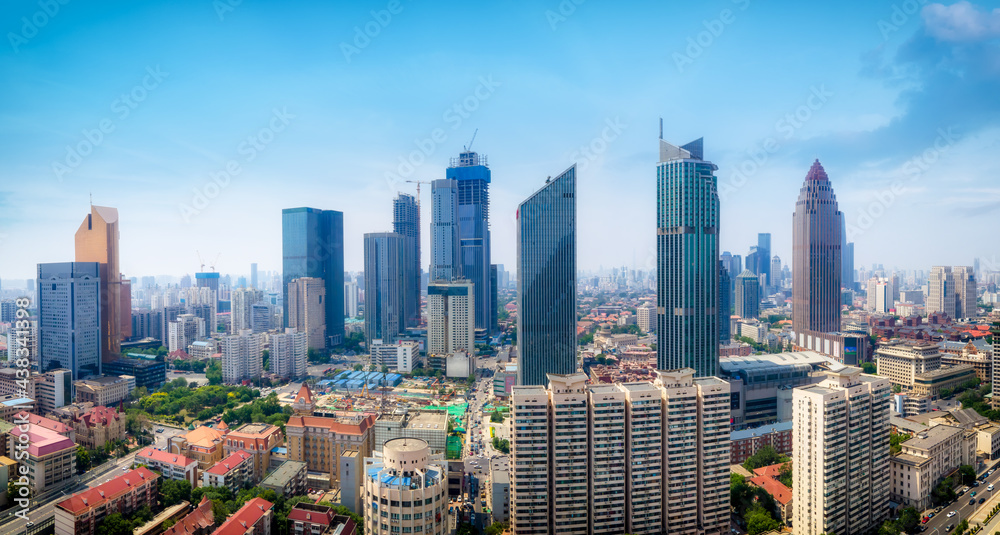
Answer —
468 148
200 260
418 183
212 265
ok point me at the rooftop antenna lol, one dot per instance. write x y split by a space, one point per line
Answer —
661 127
91 199
469 147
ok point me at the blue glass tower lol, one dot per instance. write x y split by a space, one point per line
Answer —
473 177
69 326
546 281
687 249
406 223
312 245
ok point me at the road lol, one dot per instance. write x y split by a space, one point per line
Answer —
961 506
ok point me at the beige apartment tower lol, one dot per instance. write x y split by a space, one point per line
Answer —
307 309
451 319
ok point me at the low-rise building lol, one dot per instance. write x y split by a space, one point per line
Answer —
197 522
288 480
498 492
257 439
931 383
254 518
204 444
901 361
232 472
926 459
98 426
51 456
745 443
171 465
105 390
147 372
909 404
82 512
46 423
782 495
430 426
988 441
504 381
314 519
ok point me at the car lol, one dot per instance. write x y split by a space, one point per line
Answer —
948 527
990 472
951 514
931 514
981 500
972 501
973 494
29 524
990 488
976 484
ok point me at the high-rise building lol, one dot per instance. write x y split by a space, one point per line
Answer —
645 317
965 292
623 458
495 299
546 280
97 241
406 223
242 301
816 261
840 443
878 297
407 474
941 292
764 259
253 275
351 299
451 320
69 326
206 279
775 273
687 249
313 246
846 257
747 295
242 357
472 175
444 231
181 333
287 356
125 309
383 287
725 304
306 309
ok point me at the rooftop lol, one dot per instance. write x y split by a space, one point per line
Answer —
248 515
932 436
760 431
284 473
224 466
153 454
96 496
43 441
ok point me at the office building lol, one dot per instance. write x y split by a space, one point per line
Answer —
763 260
104 390
51 456
451 320
97 241
725 304
383 287
902 361
775 273
69 326
747 295
206 279
401 356
149 374
816 262
253 275
313 246
623 458
965 292
841 489
171 465
645 317
444 231
879 295
926 459
471 173
320 441
242 357
125 494
413 486
495 299
687 249
241 311
429 426
930 384
351 299
406 223
941 292
288 354
546 280
846 257
306 309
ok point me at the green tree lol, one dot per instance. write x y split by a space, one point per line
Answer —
82 459
497 528
785 476
496 417
213 372
114 524
895 441
358 367
968 474
765 456
174 491
868 367
759 520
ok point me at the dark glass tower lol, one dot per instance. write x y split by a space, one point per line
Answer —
406 223
846 257
546 281
816 261
69 325
687 249
725 302
383 287
473 177
312 245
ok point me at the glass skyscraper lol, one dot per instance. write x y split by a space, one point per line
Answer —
69 320
312 245
383 287
816 261
406 223
472 174
444 231
687 249
546 281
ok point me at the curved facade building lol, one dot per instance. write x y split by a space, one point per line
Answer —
816 261
405 491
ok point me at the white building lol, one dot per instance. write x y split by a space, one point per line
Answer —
185 331
926 459
406 490
401 356
840 443
451 319
902 361
242 357
288 354
645 317
351 299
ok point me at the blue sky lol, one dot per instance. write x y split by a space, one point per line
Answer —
897 99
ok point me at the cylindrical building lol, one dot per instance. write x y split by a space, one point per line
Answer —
405 490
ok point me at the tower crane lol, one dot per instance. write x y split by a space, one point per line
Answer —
418 183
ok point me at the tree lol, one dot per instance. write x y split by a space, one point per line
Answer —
82 460
968 474
868 367
114 524
759 520
174 491
358 367
213 372
785 476
496 417
895 441
497 528
909 519
765 456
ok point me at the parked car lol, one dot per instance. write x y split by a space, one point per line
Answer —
951 514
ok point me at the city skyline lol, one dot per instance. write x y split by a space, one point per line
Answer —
873 109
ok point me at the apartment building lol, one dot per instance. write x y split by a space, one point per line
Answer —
257 439
841 452
232 472
254 518
926 459
901 361
405 490
578 450
745 443
82 512
312 519
171 465
242 357
51 457
203 444
288 479
645 317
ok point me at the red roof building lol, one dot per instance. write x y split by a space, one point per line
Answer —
82 512
257 439
231 472
198 522
171 465
310 518
254 517
782 495
98 426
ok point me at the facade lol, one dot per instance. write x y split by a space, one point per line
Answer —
841 490
233 472
747 295
406 223
171 465
257 439
97 242
546 280
687 248
965 292
451 320
351 299
383 287
242 357
429 426
148 373
50 457
320 441
53 389
183 332
288 479
405 490
98 426
125 494
312 519
747 442
445 264
104 390
254 518
288 354
597 459
725 309
203 444
70 331
941 291
312 245
472 177
401 356
928 458
930 384
645 318
242 301
816 258
307 309
902 361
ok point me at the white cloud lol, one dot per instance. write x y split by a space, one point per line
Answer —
961 22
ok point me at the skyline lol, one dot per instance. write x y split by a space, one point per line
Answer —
877 91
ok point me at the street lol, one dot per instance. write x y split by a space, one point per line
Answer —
961 506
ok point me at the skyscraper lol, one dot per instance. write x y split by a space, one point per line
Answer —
243 300
687 248
472 174
97 241
69 326
406 223
764 258
307 309
288 354
444 231
253 276
816 261
965 292
747 295
725 303
451 320
546 280
383 287
313 246
941 292
846 257
775 273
